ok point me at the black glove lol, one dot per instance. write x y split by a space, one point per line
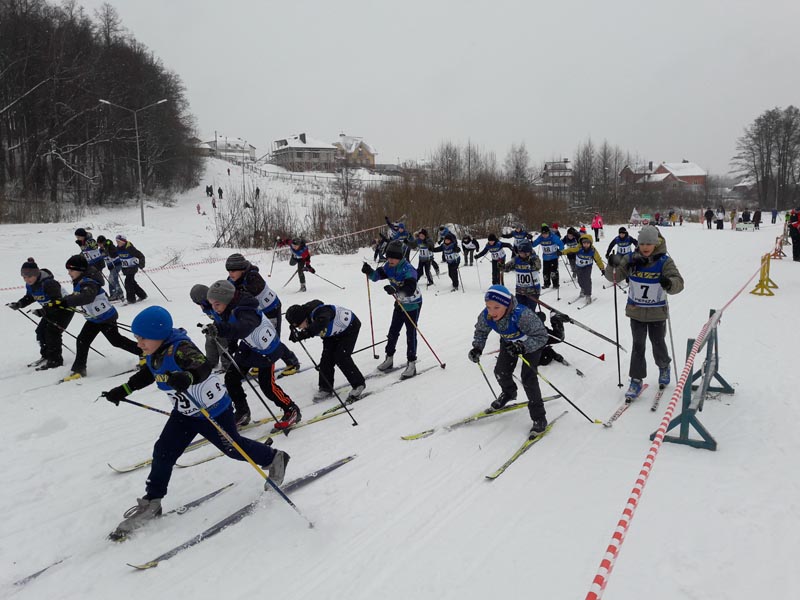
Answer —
390 289
294 335
115 395
79 243
517 348
211 330
366 269
475 355
54 303
179 380
39 312
559 253
665 282
13 305
110 266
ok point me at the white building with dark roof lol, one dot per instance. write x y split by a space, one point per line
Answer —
303 153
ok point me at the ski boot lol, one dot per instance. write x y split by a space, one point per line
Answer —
538 427
502 400
355 393
633 391
663 377
75 375
291 416
387 364
277 468
410 370
136 517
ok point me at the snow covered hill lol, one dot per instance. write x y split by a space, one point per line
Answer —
412 519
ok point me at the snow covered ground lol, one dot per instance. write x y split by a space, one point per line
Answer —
413 519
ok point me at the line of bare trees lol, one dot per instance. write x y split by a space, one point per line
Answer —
57 142
769 155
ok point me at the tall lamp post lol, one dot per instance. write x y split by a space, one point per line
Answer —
138 154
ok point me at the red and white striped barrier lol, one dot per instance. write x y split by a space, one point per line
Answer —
612 551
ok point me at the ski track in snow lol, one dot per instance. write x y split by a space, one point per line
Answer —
413 519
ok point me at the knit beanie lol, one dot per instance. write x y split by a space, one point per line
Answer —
29 268
77 263
394 249
296 314
622 230
221 291
525 246
545 228
236 262
121 237
198 293
648 235
153 323
499 294
80 232
492 237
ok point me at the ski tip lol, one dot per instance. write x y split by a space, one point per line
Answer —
145 566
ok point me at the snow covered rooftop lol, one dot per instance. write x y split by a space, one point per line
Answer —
684 169
350 144
301 140
654 178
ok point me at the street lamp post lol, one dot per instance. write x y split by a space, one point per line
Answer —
138 154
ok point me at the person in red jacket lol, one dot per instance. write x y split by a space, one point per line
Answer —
597 225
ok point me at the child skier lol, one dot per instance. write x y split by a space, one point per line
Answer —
571 241
450 250
89 249
131 260
301 256
425 254
551 248
526 265
245 276
240 319
408 304
100 314
624 243
180 370
585 256
214 346
113 262
470 247
338 327
653 275
41 287
517 234
521 334
496 250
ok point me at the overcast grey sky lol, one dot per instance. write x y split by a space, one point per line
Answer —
667 80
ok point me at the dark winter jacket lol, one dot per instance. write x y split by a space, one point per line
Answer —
44 289
187 356
130 258
239 318
635 263
529 325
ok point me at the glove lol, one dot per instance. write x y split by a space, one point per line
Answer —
13 305
310 269
79 243
179 380
116 395
366 269
110 266
211 330
665 282
475 355
54 304
390 289
294 335
559 253
39 312
517 348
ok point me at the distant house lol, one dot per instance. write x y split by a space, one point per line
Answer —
228 148
684 175
557 175
303 153
354 151
744 189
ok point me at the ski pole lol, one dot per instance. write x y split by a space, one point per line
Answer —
598 357
616 328
290 278
325 380
64 330
49 321
246 377
491 389
139 404
371 324
547 381
579 324
274 252
478 271
154 283
569 271
368 347
410 320
244 454
328 280
671 341
461 279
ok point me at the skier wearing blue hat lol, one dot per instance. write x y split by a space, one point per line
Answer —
181 370
523 334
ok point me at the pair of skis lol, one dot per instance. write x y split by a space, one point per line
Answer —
626 404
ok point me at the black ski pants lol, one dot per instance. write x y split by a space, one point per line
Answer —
469 256
400 320
424 265
452 271
111 332
550 272
795 235
284 354
497 273
504 372
178 433
585 280
49 330
657 330
337 351
246 359
132 288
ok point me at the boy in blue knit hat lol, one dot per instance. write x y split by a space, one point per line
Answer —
522 333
